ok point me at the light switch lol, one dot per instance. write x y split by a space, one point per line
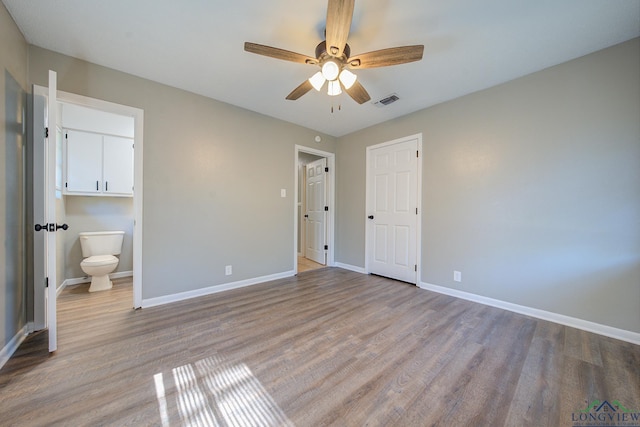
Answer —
283 192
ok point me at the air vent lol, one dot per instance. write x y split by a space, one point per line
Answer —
390 99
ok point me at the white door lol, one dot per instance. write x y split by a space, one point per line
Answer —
39 211
50 198
316 199
392 210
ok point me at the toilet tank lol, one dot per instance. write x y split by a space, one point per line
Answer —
101 243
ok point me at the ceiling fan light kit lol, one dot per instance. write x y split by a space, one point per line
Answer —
330 70
335 60
347 78
317 80
333 88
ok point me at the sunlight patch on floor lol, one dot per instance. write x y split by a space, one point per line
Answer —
215 392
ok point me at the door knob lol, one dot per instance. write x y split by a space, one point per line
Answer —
370 217
44 227
51 227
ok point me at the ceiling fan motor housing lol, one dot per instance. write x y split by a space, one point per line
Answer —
322 54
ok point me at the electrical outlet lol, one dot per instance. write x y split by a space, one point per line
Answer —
228 270
457 276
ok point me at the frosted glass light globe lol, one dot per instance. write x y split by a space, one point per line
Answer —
330 70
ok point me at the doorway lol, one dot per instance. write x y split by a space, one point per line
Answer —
393 204
64 98
314 209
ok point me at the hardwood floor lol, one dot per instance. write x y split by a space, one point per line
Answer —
305 264
328 347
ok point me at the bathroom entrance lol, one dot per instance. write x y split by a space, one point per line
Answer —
83 128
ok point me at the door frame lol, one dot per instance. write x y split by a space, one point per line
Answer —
369 224
331 202
138 116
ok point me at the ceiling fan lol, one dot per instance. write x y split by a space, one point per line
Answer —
333 56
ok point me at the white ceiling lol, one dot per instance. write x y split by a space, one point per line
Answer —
197 45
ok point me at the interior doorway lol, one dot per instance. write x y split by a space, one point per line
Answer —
64 98
314 209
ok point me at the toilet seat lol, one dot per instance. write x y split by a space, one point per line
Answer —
99 260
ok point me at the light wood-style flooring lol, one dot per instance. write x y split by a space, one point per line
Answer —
328 347
305 264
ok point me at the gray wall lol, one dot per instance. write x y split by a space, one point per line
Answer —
90 213
530 189
13 83
212 178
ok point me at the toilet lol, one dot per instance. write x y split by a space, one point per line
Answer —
99 250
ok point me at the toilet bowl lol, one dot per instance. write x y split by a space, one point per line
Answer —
100 249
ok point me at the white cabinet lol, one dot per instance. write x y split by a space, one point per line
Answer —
84 162
98 165
117 166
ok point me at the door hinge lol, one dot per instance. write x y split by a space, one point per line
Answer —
46 132
46 282
416 211
326 208
326 169
326 247
417 153
415 267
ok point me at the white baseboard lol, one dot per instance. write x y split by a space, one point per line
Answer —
585 325
350 267
152 302
12 346
87 279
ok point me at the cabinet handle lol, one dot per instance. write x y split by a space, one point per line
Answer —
106 186
97 188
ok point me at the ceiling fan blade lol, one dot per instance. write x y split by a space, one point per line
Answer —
304 87
339 16
274 52
386 57
358 93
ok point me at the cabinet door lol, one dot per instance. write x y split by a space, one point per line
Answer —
118 165
84 162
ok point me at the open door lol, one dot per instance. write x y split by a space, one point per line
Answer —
316 195
51 226
50 207
38 117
